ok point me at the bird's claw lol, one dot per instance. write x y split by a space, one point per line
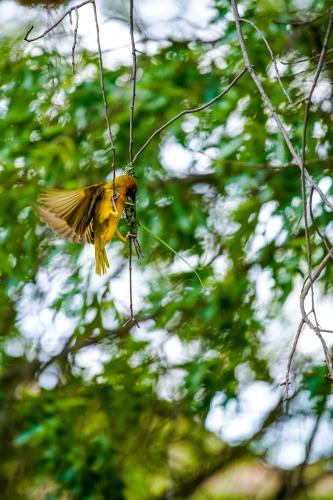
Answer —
137 246
130 235
114 198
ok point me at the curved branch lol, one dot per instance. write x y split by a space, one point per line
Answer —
270 106
290 359
321 235
303 169
51 28
318 331
305 320
271 54
187 112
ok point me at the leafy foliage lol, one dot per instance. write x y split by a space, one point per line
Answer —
220 188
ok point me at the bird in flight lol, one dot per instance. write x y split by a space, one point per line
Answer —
88 215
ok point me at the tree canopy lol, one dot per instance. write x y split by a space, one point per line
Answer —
92 409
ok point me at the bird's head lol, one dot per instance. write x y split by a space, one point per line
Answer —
126 184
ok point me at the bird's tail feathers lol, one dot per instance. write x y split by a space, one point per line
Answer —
102 263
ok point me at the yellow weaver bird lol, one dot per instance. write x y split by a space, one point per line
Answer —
88 215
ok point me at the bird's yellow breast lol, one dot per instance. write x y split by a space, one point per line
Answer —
105 206
105 222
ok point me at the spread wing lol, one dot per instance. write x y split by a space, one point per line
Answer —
69 213
59 226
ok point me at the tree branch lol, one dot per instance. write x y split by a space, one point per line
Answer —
306 59
303 159
300 161
102 83
75 36
271 54
290 359
307 286
322 236
297 23
269 104
305 320
51 28
133 81
187 112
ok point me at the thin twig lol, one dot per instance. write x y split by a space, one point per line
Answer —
300 163
307 285
305 320
292 164
322 236
131 211
290 359
131 21
270 106
130 277
131 320
68 12
309 445
303 158
271 54
75 37
102 83
147 38
173 251
328 63
296 22
322 55
308 282
188 111
306 59
305 215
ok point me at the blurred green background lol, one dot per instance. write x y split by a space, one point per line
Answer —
189 404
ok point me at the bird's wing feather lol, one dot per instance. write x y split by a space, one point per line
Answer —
74 207
89 234
59 226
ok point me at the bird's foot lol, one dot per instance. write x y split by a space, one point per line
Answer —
114 198
137 246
